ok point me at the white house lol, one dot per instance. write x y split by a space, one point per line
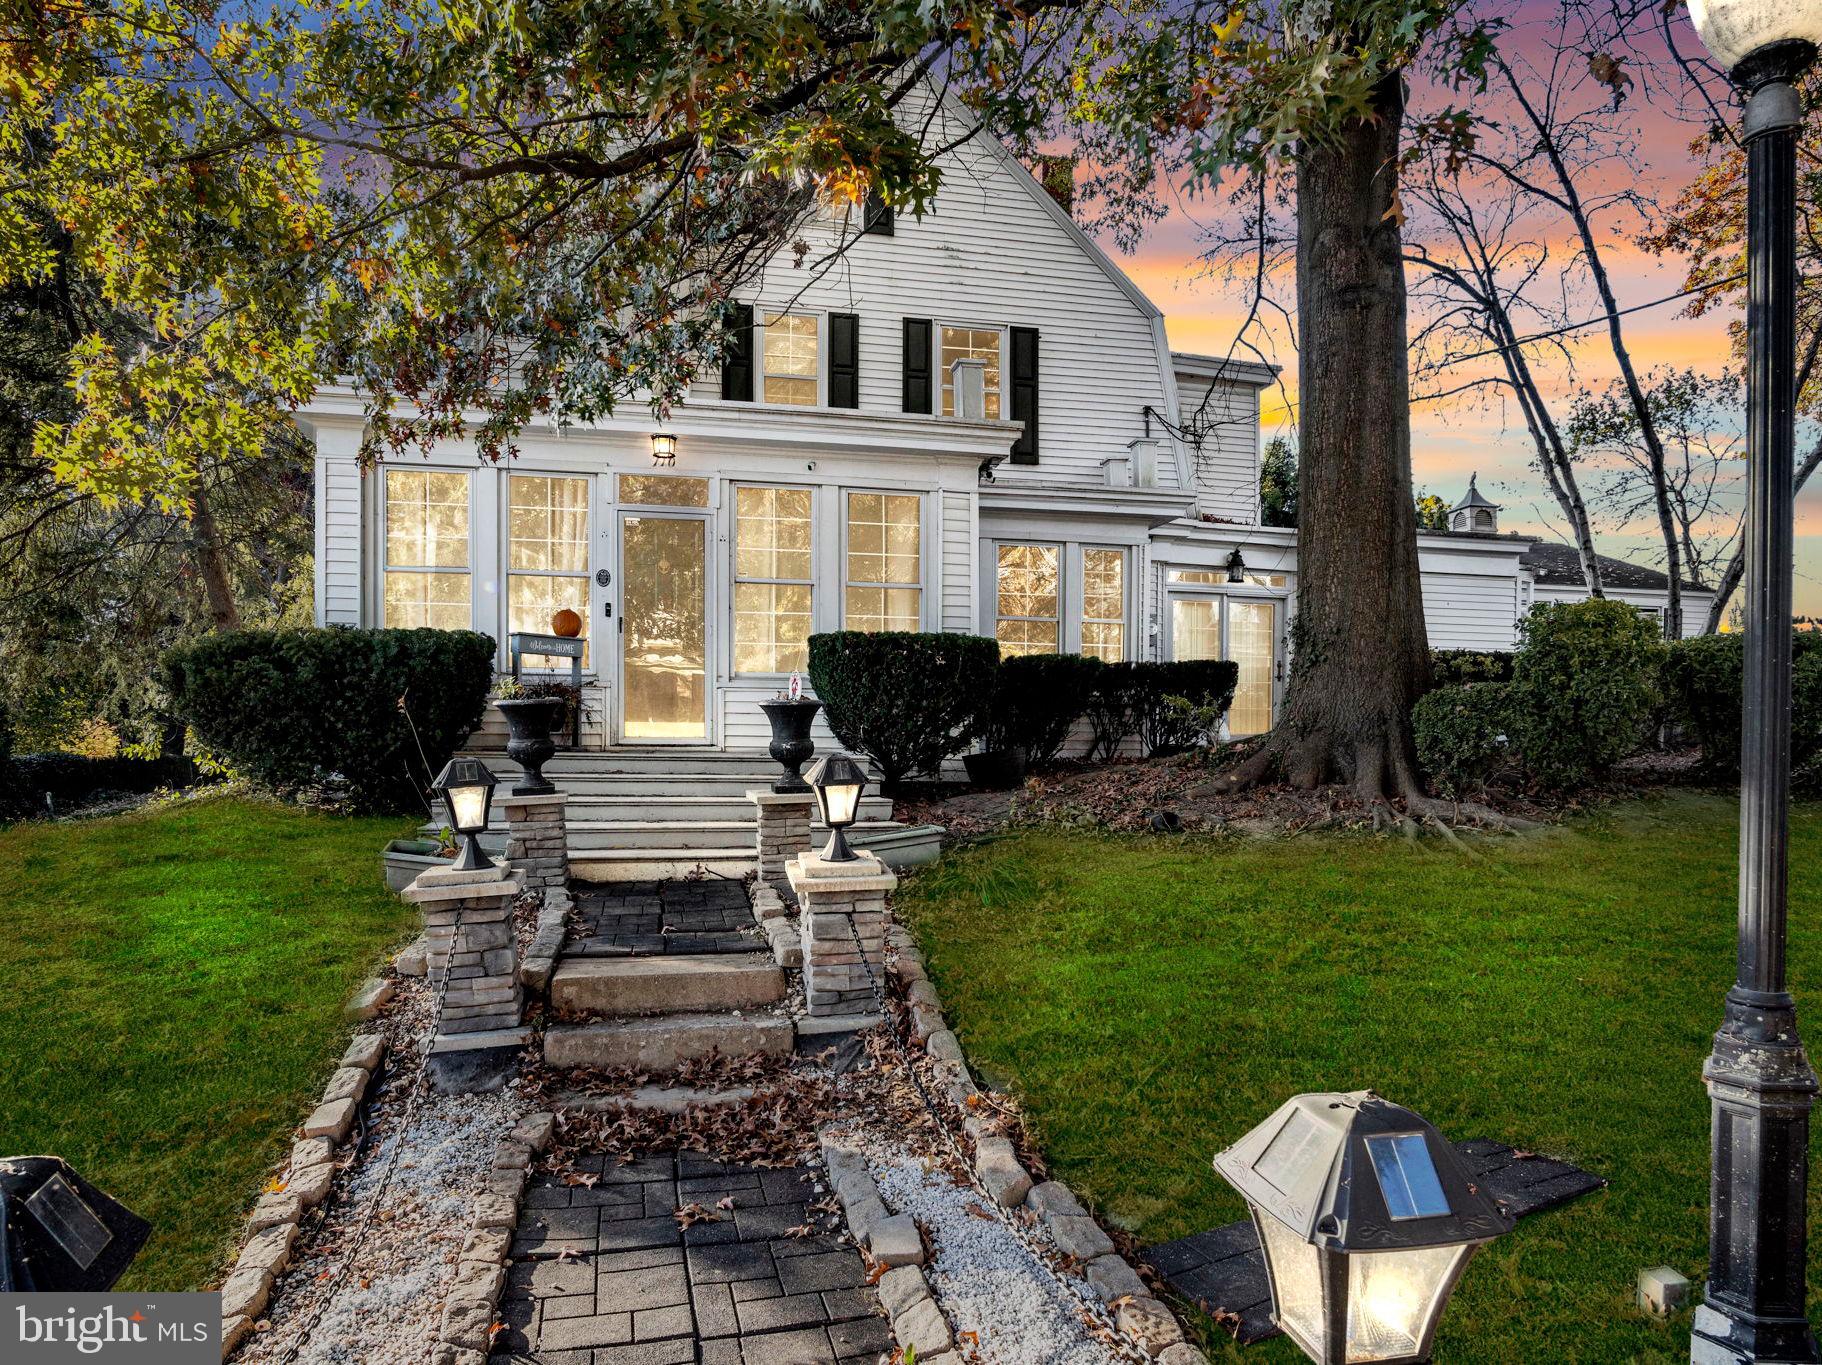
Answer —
970 423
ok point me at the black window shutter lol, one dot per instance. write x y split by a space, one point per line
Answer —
1025 393
844 360
877 217
737 360
917 364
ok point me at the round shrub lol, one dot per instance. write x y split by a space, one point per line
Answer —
907 700
1037 698
1461 734
289 708
1470 666
1584 687
1705 680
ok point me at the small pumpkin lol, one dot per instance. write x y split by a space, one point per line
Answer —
566 623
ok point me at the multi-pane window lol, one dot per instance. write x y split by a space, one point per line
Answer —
427 582
1028 594
884 581
546 557
1104 604
971 343
790 358
772 583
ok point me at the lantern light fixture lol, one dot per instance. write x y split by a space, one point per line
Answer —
1734 30
838 782
466 786
664 449
1367 1219
1236 568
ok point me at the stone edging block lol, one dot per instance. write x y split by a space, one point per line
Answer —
470 1301
1074 1232
272 1227
547 940
776 922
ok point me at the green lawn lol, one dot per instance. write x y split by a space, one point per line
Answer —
1151 1000
174 991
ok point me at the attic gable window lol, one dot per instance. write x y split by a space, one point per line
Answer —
971 343
791 359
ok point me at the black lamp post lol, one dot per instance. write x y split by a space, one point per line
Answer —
466 786
1760 1083
838 782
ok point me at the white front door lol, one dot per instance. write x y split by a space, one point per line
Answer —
663 693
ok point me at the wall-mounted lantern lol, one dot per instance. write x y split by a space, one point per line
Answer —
1236 568
664 449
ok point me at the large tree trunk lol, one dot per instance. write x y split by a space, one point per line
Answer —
212 562
1361 656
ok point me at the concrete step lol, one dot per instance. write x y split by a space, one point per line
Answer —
694 806
664 1042
587 835
659 864
666 985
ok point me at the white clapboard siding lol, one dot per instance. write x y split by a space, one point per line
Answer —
338 519
1469 611
1695 603
959 525
1226 470
993 251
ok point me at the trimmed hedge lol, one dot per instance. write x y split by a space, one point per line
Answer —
908 700
1705 680
1165 725
1584 688
1450 666
289 708
1037 698
1462 735
1113 709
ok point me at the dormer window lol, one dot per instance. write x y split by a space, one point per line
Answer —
790 358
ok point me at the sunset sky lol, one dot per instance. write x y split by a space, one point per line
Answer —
1453 438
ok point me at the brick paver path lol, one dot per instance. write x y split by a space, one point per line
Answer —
603 1275
668 918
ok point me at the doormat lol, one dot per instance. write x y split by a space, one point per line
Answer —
1222 1271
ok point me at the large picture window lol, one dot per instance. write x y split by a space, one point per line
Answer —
884 589
546 558
1028 594
1104 604
790 355
971 343
427 549
772 582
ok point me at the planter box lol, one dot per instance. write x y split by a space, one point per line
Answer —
403 859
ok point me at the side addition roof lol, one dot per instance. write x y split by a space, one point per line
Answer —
1552 562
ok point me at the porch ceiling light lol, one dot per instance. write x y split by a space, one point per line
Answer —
664 449
1367 1220
1236 568
1735 29
466 786
838 782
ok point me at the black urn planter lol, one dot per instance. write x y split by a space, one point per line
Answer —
529 721
995 769
791 742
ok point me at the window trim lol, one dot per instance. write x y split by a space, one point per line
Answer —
1061 550
384 557
760 373
944 389
585 573
735 579
922 586
1084 620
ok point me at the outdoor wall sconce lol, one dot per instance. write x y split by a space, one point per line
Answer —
837 781
1367 1220
664 449
466 786
1236 568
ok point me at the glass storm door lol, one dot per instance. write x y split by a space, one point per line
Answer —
1252 634
1238 628
664 691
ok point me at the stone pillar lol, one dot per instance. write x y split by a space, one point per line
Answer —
468 934
784 830
843 915
537 839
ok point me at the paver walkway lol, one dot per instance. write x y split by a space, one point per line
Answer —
663 918
604 1275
